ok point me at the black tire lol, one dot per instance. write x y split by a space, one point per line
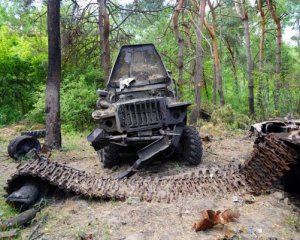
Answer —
35 133
109 156
190 146
21 145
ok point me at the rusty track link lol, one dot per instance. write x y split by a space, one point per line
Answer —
270 159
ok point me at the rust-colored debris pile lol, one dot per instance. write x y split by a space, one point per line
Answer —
210 218
270 159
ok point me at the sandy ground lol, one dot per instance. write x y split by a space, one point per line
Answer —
271 216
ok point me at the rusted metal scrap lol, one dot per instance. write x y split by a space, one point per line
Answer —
288 131
210 218
275 126
270 159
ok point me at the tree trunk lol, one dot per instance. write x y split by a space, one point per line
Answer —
104 37
218 72
214 85
212 32
205 85
249 67
262 37
244 17
180 44
221 52
278 52
198 80
53 130
261 53
187 27
233 64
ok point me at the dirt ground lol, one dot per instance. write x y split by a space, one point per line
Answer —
272 216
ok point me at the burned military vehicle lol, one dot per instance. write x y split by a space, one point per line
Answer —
139 112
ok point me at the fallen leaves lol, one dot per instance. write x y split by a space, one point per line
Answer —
210 218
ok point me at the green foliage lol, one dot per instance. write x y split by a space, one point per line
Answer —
223 115
293 221
21 70
23 59
229 118
78 99
36 115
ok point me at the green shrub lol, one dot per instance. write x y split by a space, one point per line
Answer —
37 114
228 117
78 101
241 121
223 115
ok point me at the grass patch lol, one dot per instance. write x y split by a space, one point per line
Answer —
4 141
6 211
75 141
293 221
113 201
106 232
69 147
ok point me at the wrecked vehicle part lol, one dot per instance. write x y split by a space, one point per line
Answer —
139 108
98 139
270 159
275 126
145 155
289 132
41 133
125 83
25 196
21 145
190 147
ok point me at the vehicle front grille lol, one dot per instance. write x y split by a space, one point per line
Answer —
140 114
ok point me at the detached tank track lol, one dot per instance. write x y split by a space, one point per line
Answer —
270 159
41 133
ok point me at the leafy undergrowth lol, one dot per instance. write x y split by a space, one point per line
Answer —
224 120
226 116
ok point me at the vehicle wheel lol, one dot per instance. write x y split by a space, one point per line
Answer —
35 133
109 156
21 145
190 146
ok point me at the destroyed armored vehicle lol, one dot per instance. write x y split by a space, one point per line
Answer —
139 112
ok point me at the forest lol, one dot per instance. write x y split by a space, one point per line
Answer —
240 58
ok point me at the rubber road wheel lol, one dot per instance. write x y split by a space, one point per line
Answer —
109 156
191 146
21 145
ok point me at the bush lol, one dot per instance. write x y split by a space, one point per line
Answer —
78 99
229 118
223 115
37 114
